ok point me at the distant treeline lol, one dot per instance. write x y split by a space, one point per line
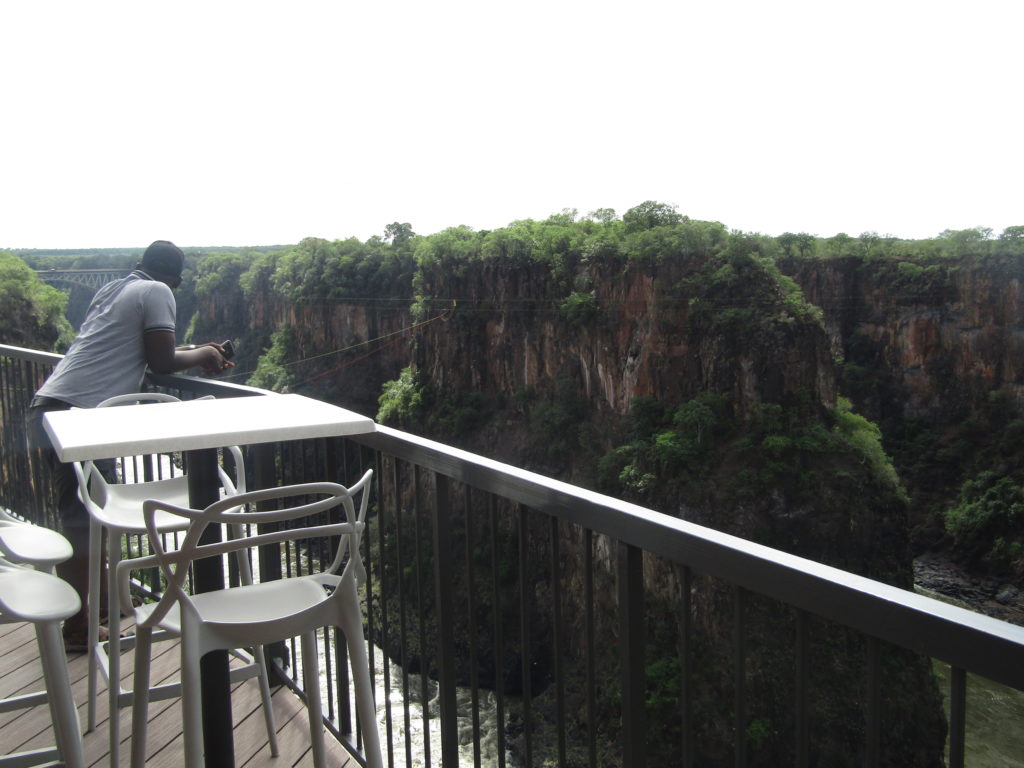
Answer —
111 258
318 269
568 234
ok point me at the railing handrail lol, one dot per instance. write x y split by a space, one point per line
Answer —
202 386
32 355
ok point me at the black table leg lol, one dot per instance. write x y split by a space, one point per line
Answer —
218 738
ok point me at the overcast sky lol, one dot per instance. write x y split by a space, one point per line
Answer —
257 123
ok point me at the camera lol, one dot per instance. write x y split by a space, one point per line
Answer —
229 349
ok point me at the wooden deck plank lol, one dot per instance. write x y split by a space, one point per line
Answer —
31 728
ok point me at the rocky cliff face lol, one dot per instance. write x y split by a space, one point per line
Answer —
514 331
344 350
503 328
934 352
939 338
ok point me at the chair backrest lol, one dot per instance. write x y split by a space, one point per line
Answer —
91 481
151 465
6 518
134 398
236 513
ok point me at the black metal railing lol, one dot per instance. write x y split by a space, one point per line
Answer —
501 596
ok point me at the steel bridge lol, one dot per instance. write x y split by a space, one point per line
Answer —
90 278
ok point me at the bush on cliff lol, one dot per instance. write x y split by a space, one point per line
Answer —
272 371
987 522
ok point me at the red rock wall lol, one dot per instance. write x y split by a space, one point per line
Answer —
943 344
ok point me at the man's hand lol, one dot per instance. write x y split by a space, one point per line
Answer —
162 357
213 361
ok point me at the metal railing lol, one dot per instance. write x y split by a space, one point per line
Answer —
583 620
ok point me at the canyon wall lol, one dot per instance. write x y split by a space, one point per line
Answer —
342 350
938 338
513 331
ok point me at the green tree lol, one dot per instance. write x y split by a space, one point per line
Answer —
402 401
272 371
842 244
579 308
398 234
604 215
31 312
986 521
967 241
566 217
800 245
650 214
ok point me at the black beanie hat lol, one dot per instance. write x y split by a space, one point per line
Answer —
163 258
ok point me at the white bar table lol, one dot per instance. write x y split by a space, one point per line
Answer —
200 427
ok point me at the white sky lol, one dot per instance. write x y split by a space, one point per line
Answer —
257 123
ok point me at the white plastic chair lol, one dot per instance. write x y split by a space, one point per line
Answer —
27 595
260 613
116 508
22 542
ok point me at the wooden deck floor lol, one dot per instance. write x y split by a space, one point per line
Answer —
28 729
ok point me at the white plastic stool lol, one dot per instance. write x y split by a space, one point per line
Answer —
44 600
25 543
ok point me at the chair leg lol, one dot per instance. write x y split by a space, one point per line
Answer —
311 684
140 696
114 646
66 728
352 626
268 708
93 599
191 704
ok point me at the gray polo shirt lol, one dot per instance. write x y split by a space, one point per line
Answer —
109 356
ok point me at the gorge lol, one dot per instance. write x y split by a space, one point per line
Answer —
626 363
756 385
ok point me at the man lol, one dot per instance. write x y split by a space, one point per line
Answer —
129 326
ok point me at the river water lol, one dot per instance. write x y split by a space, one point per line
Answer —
995 713
995 721
414 733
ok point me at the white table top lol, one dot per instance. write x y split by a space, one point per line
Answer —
133 430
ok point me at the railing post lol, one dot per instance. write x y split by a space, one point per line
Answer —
686 664
591 674
740 677
444 577
556 599
499 645
873 747
403 586
957 715
525 604
631 651
421 616
801 731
